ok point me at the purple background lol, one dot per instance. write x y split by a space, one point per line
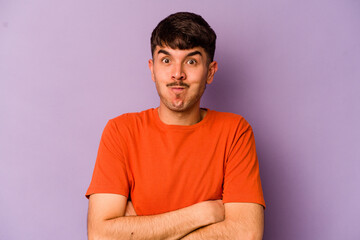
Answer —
291 68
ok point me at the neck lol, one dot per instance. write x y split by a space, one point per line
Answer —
185 118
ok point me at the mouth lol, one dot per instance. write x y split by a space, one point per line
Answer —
177 89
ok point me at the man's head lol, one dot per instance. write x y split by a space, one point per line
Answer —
184 30
182 46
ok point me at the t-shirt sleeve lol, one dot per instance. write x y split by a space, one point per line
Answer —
110 175
242 178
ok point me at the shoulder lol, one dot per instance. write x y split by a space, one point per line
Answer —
133 117
130 122
229 119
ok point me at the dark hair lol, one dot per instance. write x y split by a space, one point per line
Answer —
184 30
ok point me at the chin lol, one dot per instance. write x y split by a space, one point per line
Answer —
178 108
179 105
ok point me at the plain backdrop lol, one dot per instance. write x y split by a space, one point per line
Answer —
291 68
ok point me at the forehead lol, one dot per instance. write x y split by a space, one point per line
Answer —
159 50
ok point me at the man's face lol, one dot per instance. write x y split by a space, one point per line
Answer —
181 76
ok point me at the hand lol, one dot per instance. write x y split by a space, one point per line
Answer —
130 211
212 211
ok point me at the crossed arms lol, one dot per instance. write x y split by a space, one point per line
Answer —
109 217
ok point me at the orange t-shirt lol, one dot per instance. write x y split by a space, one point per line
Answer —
167 167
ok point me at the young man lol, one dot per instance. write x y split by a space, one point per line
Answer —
177 171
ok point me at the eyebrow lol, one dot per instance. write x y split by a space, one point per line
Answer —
163 52
189 55
194 53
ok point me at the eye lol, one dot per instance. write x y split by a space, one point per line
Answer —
191 61
165 60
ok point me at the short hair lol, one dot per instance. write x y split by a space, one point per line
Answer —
184 30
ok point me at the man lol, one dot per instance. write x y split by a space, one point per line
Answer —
177 171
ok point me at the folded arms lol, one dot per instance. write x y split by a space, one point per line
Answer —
110 217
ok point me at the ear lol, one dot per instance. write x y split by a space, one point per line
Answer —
213 67
151 67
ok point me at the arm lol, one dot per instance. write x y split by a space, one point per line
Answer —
107 220
242 221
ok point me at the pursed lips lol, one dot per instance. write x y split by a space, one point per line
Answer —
177 87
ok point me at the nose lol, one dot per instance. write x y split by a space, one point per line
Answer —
178 72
